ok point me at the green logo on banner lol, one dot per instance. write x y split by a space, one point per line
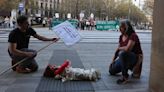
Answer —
57 21
106 25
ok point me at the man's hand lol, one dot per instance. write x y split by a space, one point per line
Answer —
55 39
29 54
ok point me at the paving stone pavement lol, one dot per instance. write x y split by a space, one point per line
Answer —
93 54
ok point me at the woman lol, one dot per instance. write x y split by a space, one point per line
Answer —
127 55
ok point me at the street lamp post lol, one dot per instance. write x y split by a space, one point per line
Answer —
139 4
77 8
129 11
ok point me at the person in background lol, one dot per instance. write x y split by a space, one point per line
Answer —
44 22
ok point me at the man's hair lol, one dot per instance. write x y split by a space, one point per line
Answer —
21 19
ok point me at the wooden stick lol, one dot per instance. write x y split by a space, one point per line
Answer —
5 70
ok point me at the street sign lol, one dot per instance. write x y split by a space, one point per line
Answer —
56 15
92 15
21 7
81 16
69 15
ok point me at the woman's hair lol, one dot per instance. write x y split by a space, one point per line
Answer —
129 29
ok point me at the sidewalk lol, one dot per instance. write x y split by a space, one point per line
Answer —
95 51
92 55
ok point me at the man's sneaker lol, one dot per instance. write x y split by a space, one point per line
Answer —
122 81
20 69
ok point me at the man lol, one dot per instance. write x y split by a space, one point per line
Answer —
18 46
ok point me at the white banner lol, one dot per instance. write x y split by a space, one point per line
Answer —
67 32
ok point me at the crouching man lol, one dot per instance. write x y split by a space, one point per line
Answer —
18 46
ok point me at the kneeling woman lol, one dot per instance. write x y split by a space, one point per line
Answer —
128 53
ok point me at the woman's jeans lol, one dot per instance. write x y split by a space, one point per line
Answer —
125 61
29 63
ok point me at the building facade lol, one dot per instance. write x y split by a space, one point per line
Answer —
43 8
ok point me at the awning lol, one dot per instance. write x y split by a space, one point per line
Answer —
5 13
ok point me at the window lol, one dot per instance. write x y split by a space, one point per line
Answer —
50 6
41 5
46 5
